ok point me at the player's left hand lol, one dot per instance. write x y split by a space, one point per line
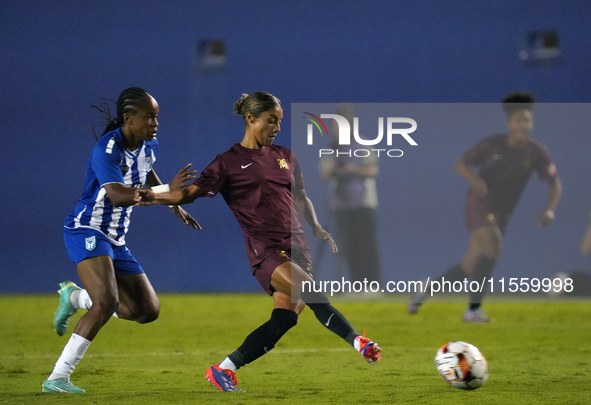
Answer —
545 218
320 233
185 217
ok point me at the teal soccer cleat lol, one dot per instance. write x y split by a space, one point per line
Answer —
65 309
60 385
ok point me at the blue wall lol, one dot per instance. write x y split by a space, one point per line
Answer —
58 58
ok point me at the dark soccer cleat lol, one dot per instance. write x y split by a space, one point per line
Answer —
368 349
224 379
417 298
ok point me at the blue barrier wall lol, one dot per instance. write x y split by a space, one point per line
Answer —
56 59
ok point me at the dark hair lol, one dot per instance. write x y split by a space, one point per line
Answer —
130 99
518 100
256 103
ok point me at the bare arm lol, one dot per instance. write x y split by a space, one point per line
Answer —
546 217
306 208
153 179
120 195
176 183
477 183
174 197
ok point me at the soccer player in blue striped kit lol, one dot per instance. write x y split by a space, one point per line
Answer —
263 185
94 233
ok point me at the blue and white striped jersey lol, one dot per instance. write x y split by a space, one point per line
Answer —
110 162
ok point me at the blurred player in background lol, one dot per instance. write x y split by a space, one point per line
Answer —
260 181
506 163
581 280
94 233
353 201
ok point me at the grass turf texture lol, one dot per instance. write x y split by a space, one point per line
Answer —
537 353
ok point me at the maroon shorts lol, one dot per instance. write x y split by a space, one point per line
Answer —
479 214
265 269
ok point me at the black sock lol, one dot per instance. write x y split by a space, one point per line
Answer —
482 269
330 317
454 273
263 339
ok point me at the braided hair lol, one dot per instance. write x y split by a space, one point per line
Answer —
130 99
255 103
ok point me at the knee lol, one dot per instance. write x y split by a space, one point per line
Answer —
311 297
149 314
105 306
492 243
494 248
284 320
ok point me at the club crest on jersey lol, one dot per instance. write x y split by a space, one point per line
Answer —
283 253
149 164
90 243
282 164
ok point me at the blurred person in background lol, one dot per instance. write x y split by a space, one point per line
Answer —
353 202
505 162
579 279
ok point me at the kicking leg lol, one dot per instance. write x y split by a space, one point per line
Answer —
289 278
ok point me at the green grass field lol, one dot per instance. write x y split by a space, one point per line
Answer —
538 353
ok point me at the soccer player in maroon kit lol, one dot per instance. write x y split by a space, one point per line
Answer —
260 182
506 163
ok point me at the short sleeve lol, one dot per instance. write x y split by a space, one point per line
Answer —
213 177
477 154
544 166
105 162
298 177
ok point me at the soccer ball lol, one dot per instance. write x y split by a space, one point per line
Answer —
461 365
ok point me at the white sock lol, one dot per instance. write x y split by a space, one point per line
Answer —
81 300
227 365
72 354
357 343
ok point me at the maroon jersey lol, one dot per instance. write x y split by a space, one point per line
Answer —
257 186
506 170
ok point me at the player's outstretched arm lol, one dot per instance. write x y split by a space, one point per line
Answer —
119 194
173 197
178 182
